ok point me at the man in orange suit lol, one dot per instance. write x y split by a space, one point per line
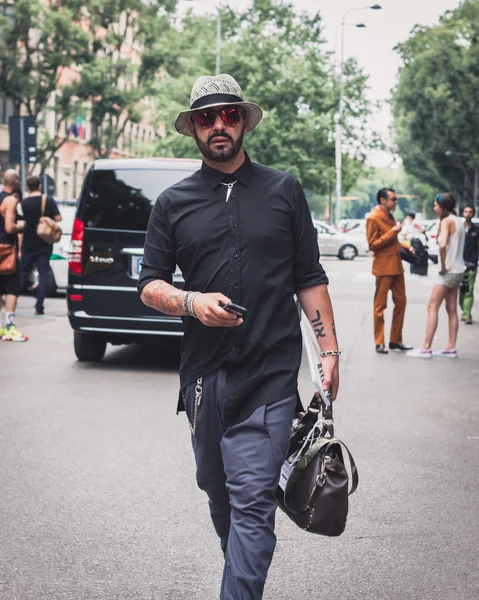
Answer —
382 231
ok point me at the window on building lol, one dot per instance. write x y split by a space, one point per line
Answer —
7 109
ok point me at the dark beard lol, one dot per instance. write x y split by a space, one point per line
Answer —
220 155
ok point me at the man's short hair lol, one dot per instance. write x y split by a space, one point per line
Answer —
473 208
412 215
33 183
10 177
383 194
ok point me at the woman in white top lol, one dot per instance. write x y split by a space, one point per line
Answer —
451 250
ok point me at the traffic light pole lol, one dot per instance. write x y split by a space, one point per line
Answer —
23 175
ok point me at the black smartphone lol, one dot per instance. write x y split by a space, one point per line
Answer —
236 309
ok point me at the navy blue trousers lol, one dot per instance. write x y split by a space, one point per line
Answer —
239 469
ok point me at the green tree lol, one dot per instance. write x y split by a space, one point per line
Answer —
115 49
435 102
37 42
279 59
127 46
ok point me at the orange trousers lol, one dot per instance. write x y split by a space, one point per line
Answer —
396 284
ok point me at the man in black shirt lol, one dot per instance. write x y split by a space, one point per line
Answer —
471 255
240 232
35 251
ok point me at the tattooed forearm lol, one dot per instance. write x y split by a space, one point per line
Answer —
318 326
164 297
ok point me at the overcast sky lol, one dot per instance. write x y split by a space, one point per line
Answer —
373 46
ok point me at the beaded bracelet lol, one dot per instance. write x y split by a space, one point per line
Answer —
330 353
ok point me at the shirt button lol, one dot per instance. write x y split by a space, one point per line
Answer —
236 255
234 348
235 287
235 224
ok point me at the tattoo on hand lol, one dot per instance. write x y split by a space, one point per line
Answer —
318 326
334 332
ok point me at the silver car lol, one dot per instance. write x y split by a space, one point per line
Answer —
346 246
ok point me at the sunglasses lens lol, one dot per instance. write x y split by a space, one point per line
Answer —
231 116
205 118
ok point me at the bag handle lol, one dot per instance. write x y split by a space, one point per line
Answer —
325 443
44 202
328 442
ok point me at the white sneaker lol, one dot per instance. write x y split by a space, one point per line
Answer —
446 353
419 353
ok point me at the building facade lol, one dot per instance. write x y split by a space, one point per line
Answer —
74 156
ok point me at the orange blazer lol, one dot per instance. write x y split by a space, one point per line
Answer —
383 241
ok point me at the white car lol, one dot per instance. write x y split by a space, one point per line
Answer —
59 259
346 246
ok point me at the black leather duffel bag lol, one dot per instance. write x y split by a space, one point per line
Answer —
314 484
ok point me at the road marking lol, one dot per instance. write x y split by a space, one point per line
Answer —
472 437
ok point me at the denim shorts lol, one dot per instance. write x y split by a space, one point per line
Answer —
451 280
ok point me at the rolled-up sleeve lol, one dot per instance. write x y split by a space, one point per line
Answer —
159 258
308 271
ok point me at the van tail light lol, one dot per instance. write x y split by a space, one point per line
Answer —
75 258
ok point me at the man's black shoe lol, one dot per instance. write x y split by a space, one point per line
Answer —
39 311
382 350
399 347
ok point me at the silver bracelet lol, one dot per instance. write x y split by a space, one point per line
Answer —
189 302
185 302
330 353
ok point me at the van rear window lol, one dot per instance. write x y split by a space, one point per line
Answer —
123 198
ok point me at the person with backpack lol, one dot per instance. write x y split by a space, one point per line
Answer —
36 251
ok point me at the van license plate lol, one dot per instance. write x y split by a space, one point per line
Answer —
136 262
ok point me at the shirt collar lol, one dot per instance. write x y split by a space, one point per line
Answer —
215 177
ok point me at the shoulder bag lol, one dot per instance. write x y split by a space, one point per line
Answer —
408 256
48 229
314 486
8 259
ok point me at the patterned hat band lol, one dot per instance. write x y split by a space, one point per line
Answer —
215 99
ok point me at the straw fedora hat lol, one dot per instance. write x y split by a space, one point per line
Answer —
217 90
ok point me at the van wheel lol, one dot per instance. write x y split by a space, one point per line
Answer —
88 348
347 252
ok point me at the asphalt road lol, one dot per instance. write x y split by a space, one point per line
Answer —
97 491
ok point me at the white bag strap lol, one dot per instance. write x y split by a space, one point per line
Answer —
315 369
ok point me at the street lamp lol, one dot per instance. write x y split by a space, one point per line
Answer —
218 32
339 115
476 174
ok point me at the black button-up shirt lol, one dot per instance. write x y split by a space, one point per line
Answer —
258 248
471 246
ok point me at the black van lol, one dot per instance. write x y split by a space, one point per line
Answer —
106 253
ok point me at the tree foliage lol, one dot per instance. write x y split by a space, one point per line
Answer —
115 49
435 101
279 59
37 42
